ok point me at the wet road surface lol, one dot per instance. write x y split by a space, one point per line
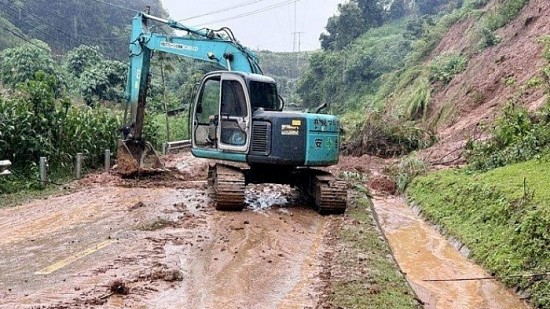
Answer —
166 245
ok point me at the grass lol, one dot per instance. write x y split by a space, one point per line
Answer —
371 279
502 215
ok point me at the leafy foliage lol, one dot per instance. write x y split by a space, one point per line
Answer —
95 77
387 136
505 12
516 136
409 168
67 24
343 28
334 76
20 64
35 124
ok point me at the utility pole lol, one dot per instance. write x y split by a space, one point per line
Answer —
295 28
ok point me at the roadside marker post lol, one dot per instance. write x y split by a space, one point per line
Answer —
78 165
43 171
4 165
107 159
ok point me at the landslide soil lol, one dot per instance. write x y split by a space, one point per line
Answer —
493 77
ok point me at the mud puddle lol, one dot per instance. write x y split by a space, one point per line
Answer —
424 254
165 246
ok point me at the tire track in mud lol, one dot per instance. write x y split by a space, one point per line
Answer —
424 254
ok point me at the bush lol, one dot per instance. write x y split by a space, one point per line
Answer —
387 136
408 168
505 13
443 68
516 136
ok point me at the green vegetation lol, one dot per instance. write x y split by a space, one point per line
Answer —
504 13
65 25
374 282
499 205
35 124
409 168
385 64
444 67
501 215
515 136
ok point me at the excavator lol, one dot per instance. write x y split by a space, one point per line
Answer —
236 119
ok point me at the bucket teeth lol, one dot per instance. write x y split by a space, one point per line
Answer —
137 157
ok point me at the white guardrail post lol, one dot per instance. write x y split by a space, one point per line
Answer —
4 165
43 171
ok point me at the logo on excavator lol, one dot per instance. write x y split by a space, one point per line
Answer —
179 46
318 143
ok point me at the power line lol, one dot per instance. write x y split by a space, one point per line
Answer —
223 10
117 6
28 4
261 10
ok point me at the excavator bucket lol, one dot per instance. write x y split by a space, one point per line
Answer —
137 157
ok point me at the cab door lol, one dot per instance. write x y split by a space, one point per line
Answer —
206 113
222 116
234 129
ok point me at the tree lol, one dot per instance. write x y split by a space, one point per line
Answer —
93 76
398 9
343 28
372 12
82 58
20 64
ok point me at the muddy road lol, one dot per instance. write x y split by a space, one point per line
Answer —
157 242
161 243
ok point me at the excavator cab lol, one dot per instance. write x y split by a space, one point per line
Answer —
223 110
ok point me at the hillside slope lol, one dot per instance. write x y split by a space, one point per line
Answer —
66 24
510 70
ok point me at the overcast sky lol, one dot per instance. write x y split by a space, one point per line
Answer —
260 24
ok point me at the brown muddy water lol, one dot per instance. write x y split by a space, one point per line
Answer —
424 254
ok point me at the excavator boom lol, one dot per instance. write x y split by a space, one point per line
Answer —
134 153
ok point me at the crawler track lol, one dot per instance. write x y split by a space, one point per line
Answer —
330 194
228 185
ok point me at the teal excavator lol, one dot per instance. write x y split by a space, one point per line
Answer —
236 119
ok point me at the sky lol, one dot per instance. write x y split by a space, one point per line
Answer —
260 24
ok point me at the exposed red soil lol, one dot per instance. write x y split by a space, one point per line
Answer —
476 95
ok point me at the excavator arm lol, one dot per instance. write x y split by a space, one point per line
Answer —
218 47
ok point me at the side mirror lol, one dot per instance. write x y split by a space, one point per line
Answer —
199 109
320 108
281 103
